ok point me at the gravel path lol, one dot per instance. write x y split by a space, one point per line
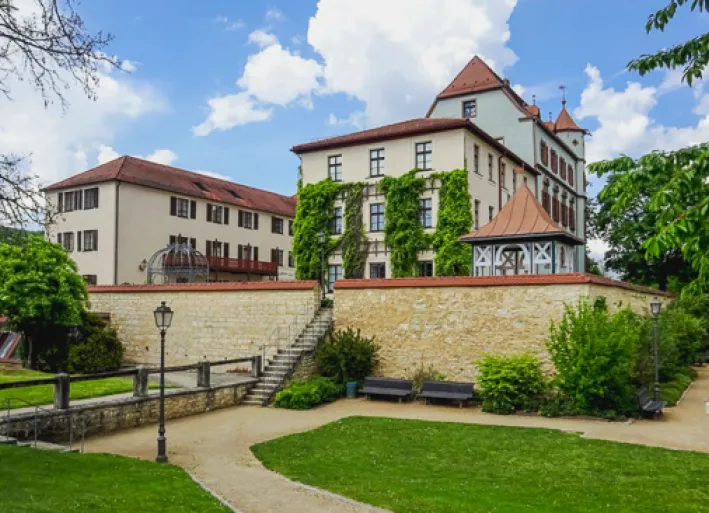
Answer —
215 446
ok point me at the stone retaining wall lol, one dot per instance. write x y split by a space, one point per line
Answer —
212 321
452 322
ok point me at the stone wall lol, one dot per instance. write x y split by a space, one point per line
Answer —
451 322
212 321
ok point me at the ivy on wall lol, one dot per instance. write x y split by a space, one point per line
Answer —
312 216
403 232
455 218
354 242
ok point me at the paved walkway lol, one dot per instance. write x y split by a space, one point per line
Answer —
215 446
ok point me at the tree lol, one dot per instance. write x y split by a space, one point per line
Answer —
45 43
693 55
40 290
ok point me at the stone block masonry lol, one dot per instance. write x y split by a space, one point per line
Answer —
212 321
451 323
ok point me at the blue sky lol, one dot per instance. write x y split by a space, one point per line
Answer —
321 69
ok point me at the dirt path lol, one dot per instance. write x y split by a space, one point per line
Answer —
215 446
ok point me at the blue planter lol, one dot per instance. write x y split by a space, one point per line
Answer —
351 390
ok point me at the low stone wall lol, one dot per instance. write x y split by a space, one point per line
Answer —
212 321
450 323
108 416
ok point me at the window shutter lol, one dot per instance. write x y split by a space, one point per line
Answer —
274 256
61 202
193 209
209 212
240 249
96 205
240 221
255 221
78 241
78 200
59 239
226 215
193 243
255 254
95 240
173 206
209 248
226 250
173 239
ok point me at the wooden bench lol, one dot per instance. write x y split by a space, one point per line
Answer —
647 405
448 390
399 388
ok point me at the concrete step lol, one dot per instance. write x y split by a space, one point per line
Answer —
8 440
254 402
46 446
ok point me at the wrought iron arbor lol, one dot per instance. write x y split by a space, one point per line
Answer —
177 263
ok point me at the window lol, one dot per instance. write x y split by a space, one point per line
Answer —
423 156
424 268
554 162
571 175
334 273
426 213
247 252
544 151
277 256
490 166
217 214
503 175
477 215
201 186
66 240
248 220
572 215
215 249
71 202
277 225
336 222
376 162
491 212
546 199
376 217
476 158
290 228
514 182
91 198
562 168
90 240
555 207
183 240
184 208
470 109
234 193
90 279
377 271
291 260
334 165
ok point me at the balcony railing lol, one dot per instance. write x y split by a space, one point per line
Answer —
239 265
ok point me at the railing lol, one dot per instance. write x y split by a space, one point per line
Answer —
242 265
273 344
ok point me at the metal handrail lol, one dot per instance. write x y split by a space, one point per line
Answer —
303 316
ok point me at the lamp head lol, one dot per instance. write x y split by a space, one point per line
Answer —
655 307
163 316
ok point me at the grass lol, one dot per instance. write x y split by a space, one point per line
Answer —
35 481
411 466
671 391
43 394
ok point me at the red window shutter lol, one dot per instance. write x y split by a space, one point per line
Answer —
255 221
193 209
173 206
209 212
226 215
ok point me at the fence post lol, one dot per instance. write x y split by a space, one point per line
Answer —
256 366
140 382
204 374
61 392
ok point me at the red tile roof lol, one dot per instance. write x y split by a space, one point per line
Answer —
522 215
158 176
475 76
495 281
411 127
206 287
533 110
565 121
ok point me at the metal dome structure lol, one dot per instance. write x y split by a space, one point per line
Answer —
177 263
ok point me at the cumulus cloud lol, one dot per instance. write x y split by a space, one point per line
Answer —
228 24
163 156
275 14
229 111
394 64
262 38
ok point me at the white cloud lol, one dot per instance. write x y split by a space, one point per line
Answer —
214 174
230 111
519 89
395 64
106 154
625 122
262 38
275 14
163 156
128 66
355 119
229 25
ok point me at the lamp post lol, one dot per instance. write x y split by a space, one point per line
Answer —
321 240
163 319
655 307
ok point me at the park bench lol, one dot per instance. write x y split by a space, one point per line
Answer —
448 390
647 405
399 388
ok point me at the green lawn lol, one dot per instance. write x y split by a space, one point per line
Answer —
36 481
43 394
415 466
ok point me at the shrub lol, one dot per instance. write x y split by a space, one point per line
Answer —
594 355
348 356
510 383
326 302
305 395
422 374
97 348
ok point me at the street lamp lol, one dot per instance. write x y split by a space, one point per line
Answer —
321 240
655 307
163 319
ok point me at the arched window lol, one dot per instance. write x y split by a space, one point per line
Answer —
554 162
544 151
546 200
562 168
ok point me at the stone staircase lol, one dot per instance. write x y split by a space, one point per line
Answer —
282 364
45 446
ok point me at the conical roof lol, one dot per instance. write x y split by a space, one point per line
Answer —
475 76
565 121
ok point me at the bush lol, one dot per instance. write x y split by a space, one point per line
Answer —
594 355
422 374
97 348
511 383
305 395
326 302
348 356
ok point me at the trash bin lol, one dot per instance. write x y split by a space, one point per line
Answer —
352 390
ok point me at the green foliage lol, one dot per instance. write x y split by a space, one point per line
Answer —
422 374
312 216
348 356
40 289
98 348
511 383
326 302
305 395
14 235
403 232
672 390
594 355
455 218
354 242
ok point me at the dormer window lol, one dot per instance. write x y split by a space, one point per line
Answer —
201 186
470 109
